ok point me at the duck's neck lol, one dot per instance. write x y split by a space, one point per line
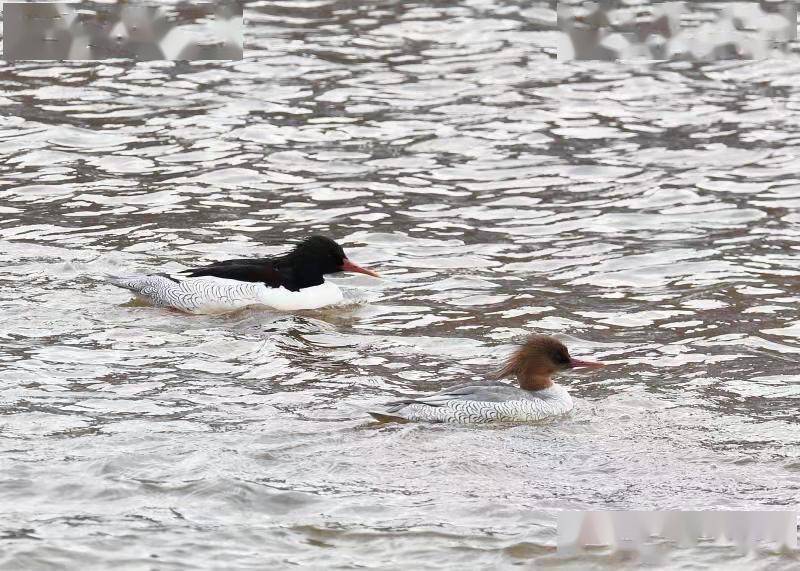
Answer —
535 383
307 277
301 274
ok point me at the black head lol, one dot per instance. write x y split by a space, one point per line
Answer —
325 255
319 255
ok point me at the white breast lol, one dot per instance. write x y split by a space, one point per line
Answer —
313 297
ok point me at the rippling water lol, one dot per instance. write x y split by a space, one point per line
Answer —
646 214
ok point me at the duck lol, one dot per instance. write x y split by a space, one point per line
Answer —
292 281
532 364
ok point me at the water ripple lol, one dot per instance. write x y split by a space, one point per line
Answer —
644 213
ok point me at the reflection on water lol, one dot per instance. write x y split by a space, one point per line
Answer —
646 214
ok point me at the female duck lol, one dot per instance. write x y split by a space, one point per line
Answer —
537 397
292 281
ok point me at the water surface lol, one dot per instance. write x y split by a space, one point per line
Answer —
645 214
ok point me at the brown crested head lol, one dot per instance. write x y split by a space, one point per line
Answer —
537 360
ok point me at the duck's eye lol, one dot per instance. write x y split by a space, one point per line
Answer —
561 359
